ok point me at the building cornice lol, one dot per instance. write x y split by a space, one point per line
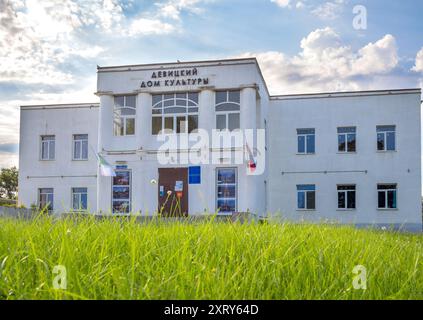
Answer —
61 106
326 95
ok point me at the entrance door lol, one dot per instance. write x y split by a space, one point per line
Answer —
173 192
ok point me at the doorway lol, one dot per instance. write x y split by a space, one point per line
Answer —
173 192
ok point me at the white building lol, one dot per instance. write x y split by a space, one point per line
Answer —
351 157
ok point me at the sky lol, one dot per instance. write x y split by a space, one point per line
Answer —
49 49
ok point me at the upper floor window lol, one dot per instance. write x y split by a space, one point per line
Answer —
175 113
45 198
347 139
79 198
387 196
306 141
48 147
124 115
80 147
306 197
386 138
228 110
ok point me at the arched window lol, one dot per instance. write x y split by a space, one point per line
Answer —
228 110
124 115
175 113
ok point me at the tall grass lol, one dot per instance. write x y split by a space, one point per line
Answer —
123 259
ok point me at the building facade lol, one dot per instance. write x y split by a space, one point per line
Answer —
203 137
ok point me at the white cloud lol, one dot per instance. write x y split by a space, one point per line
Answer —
281 3
329 10
143 26
418 67
325 64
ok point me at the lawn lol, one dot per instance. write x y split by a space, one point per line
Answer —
124 259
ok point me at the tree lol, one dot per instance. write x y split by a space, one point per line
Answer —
9 183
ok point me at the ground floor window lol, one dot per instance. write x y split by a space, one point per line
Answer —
346 197
387 196
226 185
121 192
79 198
45 198
306 197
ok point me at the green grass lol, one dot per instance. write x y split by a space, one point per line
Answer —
123 259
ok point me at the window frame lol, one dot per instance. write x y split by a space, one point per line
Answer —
189 103
305 192
346 192
79 194
386 192
227 112
385 138
124 118
217 185
345 135
74 141
48 143
305 136
129 200
49 204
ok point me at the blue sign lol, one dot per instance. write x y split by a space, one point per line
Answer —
194 175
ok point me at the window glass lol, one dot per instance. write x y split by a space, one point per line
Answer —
168 124
192 123
130 126
221 96
310 144
177 107
124 115
380 141
181 125
306 197
390 144
221 122
156 125
342 146
46 198
234 96
351 142
79 198
233 121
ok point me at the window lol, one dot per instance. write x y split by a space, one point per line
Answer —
175 113
228 110
47 147
121 192
79 198
347 139
226 185
346 197
124 115
45 198
194 174
386 138
80 147
387 196
306 141
306 197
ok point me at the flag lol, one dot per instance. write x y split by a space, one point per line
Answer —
251 163
105 168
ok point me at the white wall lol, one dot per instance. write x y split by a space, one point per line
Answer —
63 122
326 115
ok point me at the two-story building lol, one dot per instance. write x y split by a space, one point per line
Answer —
204 137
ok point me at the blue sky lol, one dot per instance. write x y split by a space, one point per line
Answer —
49 49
